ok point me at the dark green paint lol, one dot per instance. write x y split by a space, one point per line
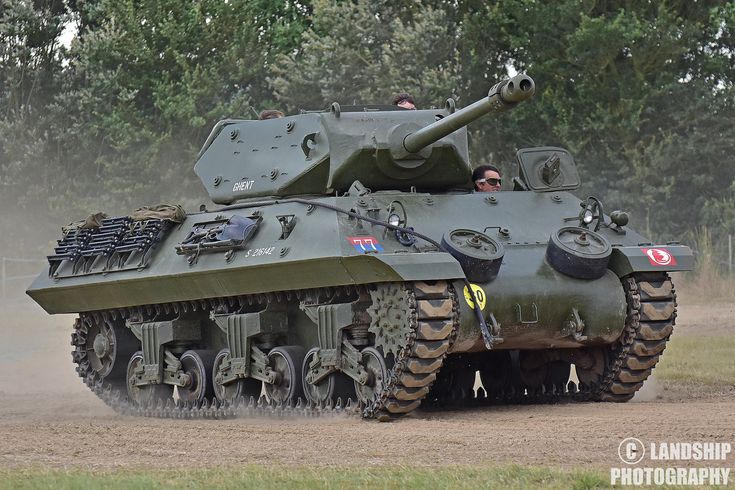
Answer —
326 152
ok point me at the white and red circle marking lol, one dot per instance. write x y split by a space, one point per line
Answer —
659 256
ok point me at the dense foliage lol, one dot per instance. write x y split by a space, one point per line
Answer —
641 92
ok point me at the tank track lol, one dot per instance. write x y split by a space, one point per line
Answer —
434 318
651 300
651 314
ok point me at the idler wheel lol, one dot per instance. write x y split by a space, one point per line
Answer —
374 364
197 365
145 395
578 252
286 362
107 347
479 255
245 387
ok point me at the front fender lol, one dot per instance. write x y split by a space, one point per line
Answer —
427 266
651 258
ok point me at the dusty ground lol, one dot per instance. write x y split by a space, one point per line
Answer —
49 419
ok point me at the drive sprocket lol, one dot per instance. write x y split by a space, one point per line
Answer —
390 317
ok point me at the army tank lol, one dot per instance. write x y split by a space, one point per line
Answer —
350 258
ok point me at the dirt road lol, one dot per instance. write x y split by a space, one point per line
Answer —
49 419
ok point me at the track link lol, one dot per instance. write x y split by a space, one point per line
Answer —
434 318
651 300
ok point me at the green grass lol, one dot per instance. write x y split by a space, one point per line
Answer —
698 363
458 477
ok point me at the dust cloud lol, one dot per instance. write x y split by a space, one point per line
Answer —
651 391
35 350
37 377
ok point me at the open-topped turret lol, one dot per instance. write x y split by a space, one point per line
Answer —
324 152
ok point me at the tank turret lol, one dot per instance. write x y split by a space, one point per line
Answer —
325 152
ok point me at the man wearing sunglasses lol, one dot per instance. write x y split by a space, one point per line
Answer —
486 178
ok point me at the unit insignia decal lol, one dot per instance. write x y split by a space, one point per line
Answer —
659 256
365 244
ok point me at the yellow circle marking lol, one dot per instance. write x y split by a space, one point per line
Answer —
479 294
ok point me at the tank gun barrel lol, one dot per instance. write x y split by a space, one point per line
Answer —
502 97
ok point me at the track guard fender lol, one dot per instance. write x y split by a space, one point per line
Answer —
651 258
430 266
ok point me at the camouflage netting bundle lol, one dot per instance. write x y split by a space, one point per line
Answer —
92 221
169 212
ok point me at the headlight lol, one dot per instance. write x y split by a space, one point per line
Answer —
587 217
394 219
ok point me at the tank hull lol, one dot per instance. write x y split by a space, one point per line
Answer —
318 286
529 299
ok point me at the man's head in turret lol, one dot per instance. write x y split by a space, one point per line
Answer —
270 114
404 100
486 178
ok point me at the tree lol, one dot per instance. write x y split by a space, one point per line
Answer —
364 52
134 97
641 93
30 63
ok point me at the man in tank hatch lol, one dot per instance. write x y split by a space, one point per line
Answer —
270 114
405 101
486 178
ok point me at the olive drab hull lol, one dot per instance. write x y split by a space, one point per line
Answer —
378 293
528 297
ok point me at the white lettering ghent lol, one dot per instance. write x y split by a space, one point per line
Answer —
243 185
